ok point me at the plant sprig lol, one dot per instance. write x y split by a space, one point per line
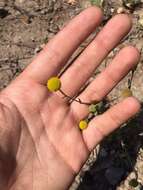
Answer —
54 84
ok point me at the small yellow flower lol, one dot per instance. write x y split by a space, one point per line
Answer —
54 84
83 124
126 93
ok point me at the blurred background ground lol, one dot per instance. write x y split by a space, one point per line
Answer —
26 26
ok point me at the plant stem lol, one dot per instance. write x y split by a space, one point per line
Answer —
75 99
131 79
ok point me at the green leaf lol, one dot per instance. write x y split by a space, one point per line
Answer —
93 108
98 3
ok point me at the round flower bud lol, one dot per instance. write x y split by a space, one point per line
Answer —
126 93
83 124
54 84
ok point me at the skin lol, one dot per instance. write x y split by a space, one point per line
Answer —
41 146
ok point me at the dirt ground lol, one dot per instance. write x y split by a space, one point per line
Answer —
25 27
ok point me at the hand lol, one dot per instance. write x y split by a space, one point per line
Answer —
41 146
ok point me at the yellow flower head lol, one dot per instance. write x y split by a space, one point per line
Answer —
54 84
83 124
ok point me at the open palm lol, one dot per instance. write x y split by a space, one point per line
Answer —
41 146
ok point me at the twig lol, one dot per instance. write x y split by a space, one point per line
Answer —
14 60
4 69
19 44
131 79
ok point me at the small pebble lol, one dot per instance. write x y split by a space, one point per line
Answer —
120 10
141 21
